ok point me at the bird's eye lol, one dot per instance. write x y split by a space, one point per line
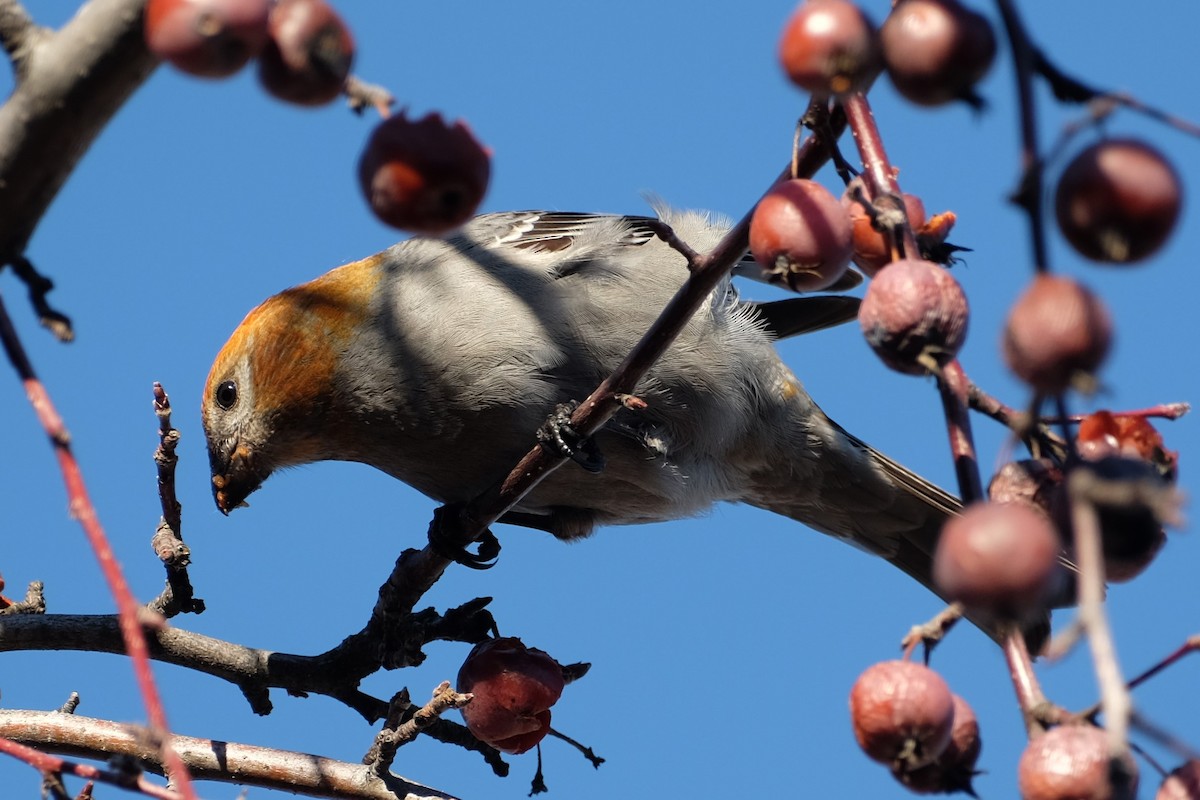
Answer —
226 395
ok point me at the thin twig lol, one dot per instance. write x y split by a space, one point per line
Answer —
85 513
1085 523
213 760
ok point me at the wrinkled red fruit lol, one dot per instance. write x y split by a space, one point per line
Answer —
1182 784
902 714
1118 201
1033 482
514 687
954 769
872 251
914 312
425 176
1070 762
1057 335
206 38
936 50
998 558
830 47
1106 434
800 235
308 54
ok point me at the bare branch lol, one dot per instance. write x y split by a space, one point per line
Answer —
211 760
71 83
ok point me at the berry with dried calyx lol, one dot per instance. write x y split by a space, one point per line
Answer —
872 250
954 769
914 316
1033 482
1118 201
902 714
1000 559
830 47
514 687
206 38
1058 334
1071 762
426 175
800 235
936 50
308 53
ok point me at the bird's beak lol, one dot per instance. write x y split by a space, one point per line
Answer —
234 477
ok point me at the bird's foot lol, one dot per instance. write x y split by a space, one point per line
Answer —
446 536
559 438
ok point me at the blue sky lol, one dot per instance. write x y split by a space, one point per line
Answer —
723 647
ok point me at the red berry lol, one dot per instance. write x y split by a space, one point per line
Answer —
936 50
914 312
514 687
998 558
954 769
1118 201
1058 334
1033 482
207 38
830 47
425 176
902 714
800 235
1182 784
1070 762
872 251
308 55
1104 433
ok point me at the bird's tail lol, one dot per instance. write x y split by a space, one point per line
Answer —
835 483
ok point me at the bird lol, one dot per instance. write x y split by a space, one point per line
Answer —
438 359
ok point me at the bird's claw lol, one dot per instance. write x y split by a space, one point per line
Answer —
445 535
558 437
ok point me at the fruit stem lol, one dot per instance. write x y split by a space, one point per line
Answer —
878 176
953 386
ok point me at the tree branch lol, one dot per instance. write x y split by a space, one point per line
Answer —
70 83
210 759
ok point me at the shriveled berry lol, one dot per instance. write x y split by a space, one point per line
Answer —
514 687
902 714
1033 482
914 314
998 558
872 251
830 47
308 54
800 235
1118 201
936 50
206 38
426 176
1182 784
1058 334
1070 762
1104 433
954 769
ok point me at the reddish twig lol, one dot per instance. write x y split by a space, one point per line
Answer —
47 763
953 386
878 175
84 512
1085 524
1035 708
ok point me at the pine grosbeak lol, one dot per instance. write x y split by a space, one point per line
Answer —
437 360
